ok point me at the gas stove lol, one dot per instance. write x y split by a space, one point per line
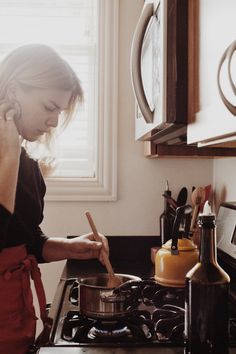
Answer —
154 321
155 318
155 315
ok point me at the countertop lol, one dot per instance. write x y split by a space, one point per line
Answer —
109 350
129 255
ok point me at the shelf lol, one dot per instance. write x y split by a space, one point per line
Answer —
152 150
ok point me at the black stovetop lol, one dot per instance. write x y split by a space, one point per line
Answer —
155 317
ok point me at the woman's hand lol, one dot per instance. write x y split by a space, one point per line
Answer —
9 155
86 247
9 136
80 247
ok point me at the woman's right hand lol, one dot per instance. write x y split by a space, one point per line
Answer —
9 136
10 148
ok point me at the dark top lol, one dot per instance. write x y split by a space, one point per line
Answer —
22 227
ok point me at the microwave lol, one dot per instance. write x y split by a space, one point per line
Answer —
159 71
226 231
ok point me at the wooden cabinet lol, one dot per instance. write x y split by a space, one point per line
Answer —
212 28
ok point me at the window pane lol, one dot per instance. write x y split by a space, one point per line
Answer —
71 27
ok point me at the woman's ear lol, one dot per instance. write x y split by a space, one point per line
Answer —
11 96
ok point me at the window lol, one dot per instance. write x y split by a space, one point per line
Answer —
85 33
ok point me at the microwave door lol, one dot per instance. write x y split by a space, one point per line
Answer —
136 53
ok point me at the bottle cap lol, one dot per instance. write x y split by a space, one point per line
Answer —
207 208
207 220
206 217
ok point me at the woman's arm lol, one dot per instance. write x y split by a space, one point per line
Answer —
80 247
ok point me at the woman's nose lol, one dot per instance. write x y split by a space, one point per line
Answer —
52 121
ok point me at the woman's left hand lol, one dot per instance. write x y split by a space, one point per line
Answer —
86 247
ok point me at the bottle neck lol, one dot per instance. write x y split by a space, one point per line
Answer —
207 252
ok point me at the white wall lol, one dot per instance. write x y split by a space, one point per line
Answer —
140 181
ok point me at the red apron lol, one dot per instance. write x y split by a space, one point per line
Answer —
17 314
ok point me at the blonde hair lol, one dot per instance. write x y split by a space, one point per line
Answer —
40 66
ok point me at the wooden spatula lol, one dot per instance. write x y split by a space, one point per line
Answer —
113 280
197 197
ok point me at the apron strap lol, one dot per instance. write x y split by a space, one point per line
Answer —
30 264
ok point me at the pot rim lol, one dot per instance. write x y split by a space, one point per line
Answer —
82 281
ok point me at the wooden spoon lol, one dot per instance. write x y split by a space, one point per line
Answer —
197 197
113 280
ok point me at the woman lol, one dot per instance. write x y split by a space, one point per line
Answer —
36 85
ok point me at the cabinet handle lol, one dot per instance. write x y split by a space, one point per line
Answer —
135 62
227 55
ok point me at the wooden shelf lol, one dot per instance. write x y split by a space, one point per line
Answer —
152 150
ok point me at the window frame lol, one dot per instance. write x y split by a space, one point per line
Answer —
103 187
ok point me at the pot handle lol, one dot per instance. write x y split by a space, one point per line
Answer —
74 293
180 211
134 284
111 297
122 292
129 289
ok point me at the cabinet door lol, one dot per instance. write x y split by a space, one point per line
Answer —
212 28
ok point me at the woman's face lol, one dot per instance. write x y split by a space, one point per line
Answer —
40 110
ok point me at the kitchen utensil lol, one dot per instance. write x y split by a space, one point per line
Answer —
197 198
208 191
166 217
182 197
170 201
113 281
177 256
98 301
187 225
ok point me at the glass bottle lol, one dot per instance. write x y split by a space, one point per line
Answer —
207 291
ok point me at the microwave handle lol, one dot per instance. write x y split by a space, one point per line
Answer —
136 49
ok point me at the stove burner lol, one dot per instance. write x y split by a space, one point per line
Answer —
75 325
108 330
157 313
159 296
168 313
169 322
133 327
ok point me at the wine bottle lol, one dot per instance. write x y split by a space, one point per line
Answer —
207 291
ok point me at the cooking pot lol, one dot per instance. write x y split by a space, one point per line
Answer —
178 255
96 300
